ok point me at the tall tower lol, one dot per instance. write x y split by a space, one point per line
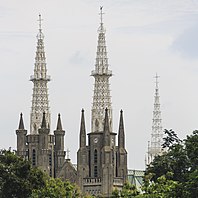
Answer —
101 165
21 133
101 74
59 134
155 146
40 79
40 143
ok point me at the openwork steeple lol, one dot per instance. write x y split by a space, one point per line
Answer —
155 146
101 97
40 79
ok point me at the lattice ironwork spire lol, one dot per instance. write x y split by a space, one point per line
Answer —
40 79
155 146
101 74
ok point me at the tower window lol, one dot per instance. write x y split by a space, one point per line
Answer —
33 157
95 171
50 163
50 159
95 156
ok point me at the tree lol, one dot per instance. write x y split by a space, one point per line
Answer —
162 188
170 138
129 190
56 188
175 161
178 164
17 178
191 147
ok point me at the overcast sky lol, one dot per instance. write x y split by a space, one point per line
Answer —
143 37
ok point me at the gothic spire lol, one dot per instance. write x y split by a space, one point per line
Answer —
21 125
155 147
106 129
121 135
101 74
40 79
59 124
82 130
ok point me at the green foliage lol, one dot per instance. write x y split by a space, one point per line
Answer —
170 138
175 161
176 171
162 188
128 190
56 188
17 178
191 147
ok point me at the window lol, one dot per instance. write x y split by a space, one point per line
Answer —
33 157
95 171
50 159
50 163
95 156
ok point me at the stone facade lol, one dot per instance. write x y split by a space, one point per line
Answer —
46 150
101 165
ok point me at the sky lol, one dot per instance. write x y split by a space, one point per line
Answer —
143 38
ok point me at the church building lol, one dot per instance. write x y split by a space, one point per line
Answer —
101 163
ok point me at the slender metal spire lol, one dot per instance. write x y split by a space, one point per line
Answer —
101 15
155 146
40 34
40 79
101 74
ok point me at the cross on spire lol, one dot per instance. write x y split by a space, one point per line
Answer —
156 80
40 22
67 152
101 14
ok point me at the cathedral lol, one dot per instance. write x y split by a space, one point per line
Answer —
101 162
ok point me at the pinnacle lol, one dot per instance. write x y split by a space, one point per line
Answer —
59 125
82 125
43 124
21 125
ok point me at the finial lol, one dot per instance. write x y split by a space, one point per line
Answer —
21 125
67 151
106 120
59 125
101 13
82 110
40 20
121 111
156 80
43 124
40 34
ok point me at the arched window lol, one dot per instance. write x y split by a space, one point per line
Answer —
95 162
33 157
95 156
95 171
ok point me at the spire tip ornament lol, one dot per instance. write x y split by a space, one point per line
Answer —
101 28
101 14
40 34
